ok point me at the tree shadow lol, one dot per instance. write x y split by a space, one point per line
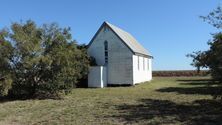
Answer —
204 82
25 98
196 86
10 99
192 90
195 80
151 111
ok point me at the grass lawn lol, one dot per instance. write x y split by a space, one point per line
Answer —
162 101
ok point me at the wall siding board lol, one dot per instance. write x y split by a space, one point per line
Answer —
122 67
119 68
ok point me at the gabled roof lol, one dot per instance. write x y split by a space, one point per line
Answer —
126 38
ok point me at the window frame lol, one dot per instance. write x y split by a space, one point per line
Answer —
143 63
148 64
138 63
106 54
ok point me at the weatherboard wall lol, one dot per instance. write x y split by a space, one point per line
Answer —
142 69
97 77
120 61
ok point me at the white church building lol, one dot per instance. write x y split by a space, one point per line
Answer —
120 58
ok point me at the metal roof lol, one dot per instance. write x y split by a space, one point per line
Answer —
127 38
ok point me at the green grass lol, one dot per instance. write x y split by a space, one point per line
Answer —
162 101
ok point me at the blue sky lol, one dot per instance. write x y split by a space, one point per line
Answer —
169 29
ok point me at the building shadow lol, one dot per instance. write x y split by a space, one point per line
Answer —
150 111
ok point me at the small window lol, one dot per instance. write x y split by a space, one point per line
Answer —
106 29
143 63
148 64
138 63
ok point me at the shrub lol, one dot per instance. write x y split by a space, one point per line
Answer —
45 61
180 73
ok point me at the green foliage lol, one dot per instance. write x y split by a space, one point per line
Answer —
198 59
45 61
214 18
5 85
5 69
212 58
93 61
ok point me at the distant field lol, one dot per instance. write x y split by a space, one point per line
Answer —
165 100
177 73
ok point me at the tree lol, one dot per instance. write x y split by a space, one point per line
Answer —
214 18
198 59
45 61
212 58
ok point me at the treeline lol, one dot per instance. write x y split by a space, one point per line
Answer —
180 73
40 61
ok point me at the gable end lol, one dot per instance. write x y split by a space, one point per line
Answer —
107 25
101 27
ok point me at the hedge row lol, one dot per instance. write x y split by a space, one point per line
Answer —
181 73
